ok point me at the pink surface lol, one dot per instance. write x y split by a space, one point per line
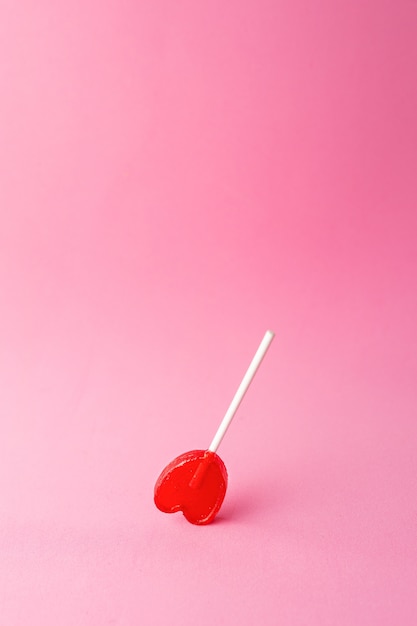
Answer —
176 177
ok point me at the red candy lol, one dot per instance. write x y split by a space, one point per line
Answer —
194 483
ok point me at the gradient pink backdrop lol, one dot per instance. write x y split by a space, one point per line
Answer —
175 177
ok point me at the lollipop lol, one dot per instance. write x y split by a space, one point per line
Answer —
195 482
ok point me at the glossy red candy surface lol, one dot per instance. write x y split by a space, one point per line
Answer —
194 483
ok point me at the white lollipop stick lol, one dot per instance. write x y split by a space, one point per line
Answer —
243 387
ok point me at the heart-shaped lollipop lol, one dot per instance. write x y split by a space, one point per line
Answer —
195 482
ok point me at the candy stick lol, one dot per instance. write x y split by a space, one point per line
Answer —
242 389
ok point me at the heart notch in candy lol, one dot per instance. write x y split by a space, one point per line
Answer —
195 482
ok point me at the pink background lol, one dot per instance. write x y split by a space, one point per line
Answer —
176 177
